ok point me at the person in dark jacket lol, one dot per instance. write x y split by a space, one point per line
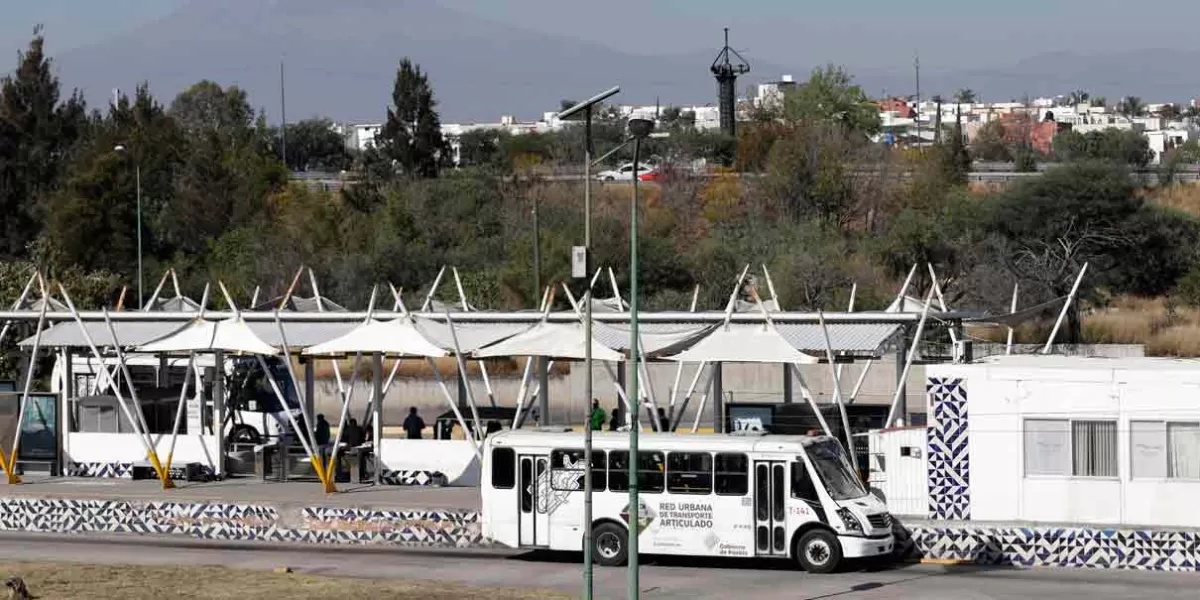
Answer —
413 424
354 435
321 433
616 422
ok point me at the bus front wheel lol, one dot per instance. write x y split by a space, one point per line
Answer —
610 545
819 551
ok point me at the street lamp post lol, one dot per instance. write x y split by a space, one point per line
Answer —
584 110
137 166
639 129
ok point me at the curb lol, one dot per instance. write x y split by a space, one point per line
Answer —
948 562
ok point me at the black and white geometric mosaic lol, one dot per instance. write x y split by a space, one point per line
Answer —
241 522
1156 550
949 451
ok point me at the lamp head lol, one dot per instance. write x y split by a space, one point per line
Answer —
120 148
640 128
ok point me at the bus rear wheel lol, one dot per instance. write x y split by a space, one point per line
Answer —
818 551
610 545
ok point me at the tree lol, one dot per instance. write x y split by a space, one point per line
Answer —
412 135
313 145
36 136
479 148
1115 145
990 144
830 96
965 96
1131 106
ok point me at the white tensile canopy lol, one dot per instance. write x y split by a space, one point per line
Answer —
200 335
554 340
395 337
748 343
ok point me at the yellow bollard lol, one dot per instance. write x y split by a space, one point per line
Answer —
163 474
10 468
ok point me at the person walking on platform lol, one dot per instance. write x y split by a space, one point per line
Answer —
598 416
413 424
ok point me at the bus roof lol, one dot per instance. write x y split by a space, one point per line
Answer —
655 441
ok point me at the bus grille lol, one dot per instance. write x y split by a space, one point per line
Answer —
880 521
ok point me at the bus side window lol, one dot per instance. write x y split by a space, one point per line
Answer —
504 468
650 471
689 473
802 484
618 471
732 475
568 473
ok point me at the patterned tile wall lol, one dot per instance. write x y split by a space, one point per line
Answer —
949 451
1156 550
125 471
240 522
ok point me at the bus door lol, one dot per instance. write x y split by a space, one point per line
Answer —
534 520
770 510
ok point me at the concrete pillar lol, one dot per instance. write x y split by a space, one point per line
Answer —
543 370
219 410
65 418
310 388
718 398
377 415
901 358
787 384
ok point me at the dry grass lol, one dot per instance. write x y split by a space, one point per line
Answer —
1165 330
1183 197
68 581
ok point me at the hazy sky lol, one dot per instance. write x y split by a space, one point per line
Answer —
863 34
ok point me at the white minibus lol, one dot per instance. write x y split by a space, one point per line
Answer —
700 495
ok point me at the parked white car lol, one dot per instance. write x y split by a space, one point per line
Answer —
624 172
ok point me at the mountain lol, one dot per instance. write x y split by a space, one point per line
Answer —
341 58
1154 75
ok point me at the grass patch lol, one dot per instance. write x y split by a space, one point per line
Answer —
70 581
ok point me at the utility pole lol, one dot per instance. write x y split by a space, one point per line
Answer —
283 117
917 66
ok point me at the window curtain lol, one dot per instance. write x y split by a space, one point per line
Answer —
1183 450
1094 445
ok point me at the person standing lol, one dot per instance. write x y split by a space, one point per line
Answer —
616 422
321 433
598 416
664 423
413 424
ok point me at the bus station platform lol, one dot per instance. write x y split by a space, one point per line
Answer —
247 510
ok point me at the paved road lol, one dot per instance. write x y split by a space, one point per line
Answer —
663 579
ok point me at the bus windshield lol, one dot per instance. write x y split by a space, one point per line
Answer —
835 472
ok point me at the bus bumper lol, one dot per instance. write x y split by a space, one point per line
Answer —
862 547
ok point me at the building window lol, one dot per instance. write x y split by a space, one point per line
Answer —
1160 449
1047 447
504 464
689 473
1070 448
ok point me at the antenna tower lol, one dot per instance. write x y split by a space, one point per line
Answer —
726 68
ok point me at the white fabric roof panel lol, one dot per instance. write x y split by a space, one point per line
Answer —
129 333
554 340
855 338
398 337
657 338
747 343
471 336
232 335
300 335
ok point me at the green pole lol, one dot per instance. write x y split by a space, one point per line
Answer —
634 589
587 303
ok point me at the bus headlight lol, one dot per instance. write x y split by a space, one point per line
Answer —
849 520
